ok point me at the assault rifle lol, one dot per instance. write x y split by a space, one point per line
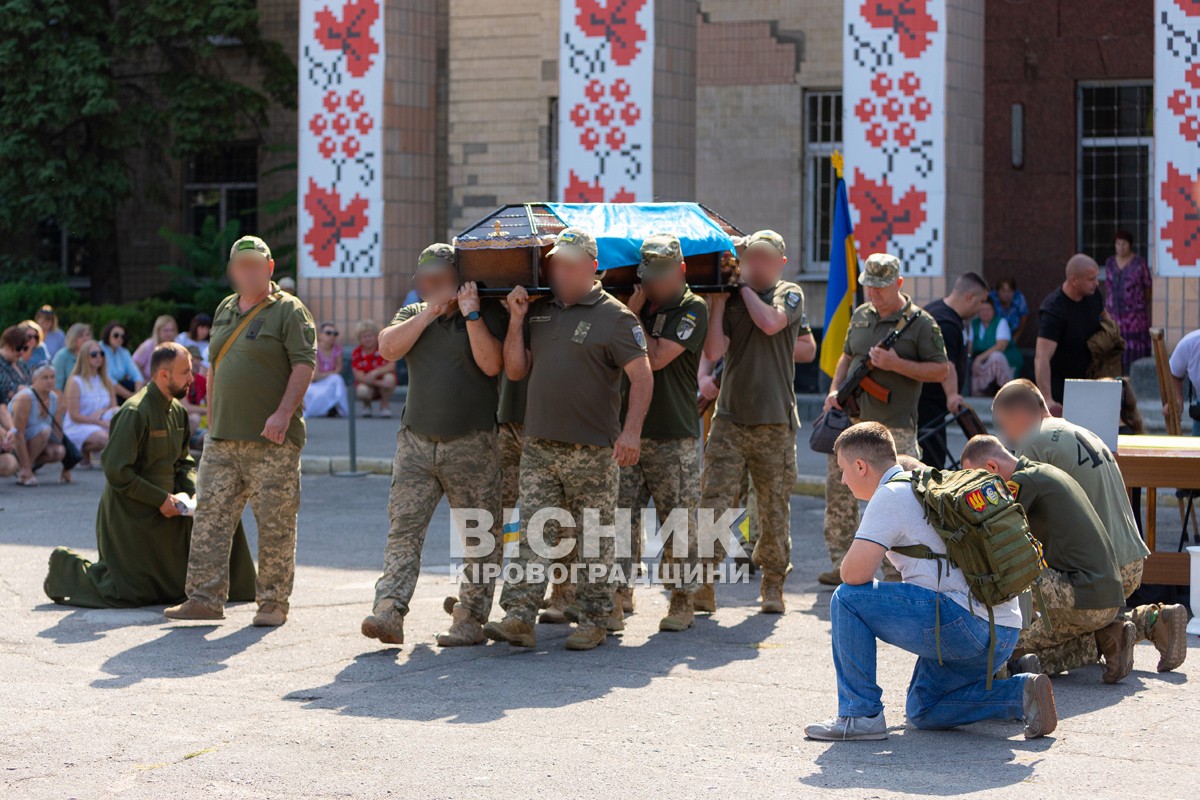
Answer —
860 378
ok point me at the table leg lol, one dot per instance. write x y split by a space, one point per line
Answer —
1151 517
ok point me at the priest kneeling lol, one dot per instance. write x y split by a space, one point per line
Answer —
144 523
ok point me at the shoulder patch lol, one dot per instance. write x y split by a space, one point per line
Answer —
792 299
687 325
639 336
1014 488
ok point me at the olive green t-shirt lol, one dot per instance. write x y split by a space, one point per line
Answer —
1073 538
247 385
513 396
921 340
578 355
672 413
758 387
448 394
1084 456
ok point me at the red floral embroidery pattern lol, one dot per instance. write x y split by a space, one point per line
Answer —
332 222
616 21
340 123
581 191
1189 7
1185 104
880 217
909 19
351 34
599 121
1181 193
894 109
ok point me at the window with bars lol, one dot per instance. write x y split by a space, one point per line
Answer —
223 185
823 135
1116 140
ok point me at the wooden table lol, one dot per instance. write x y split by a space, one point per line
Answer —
1160 462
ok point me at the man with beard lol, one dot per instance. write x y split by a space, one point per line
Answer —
142 530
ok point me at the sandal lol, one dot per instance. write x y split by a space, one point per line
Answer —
31 481
66 477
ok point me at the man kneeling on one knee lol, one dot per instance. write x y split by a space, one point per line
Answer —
949 688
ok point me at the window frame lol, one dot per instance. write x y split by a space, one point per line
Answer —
222 187
813 152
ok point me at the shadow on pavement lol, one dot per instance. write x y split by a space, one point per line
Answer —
183 651
481 684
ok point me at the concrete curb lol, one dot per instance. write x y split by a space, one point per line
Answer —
326 465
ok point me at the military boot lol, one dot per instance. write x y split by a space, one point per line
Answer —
516 632
624 596
464 631
193 610
386 626
561 596
705 598
586 637
831 578
1116 641
616 617
772 593
679 616
270 615
1166 627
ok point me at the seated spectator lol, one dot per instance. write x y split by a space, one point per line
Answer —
14 374
1081 584
197 335
91 402
195 401
326 395
122 372
37 353
143 528
1185 363
1011 306
165 330
37 422
1069 316
948 689
374 378
64 359
1020 413
8 436
989 338
53 337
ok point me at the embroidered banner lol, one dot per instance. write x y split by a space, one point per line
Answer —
894 68
606 101
1177 136
340 146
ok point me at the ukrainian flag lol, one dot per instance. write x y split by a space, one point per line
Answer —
843 276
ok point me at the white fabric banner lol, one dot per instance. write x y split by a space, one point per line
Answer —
340 143
1177 136
894 127
606 101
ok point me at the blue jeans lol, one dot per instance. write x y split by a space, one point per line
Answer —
940 695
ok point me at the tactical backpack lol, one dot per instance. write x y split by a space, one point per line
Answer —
986 535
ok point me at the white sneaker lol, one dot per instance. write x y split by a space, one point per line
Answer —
849 729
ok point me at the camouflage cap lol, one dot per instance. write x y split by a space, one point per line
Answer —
577 238
880 270
767 237
435 257
250 243
661 255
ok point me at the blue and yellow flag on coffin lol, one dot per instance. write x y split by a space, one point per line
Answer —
843 276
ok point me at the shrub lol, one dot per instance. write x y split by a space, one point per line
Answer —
20 299
137 317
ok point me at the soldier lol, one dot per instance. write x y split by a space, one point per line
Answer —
755 422
1020 412
263 350
446 444
918 356
675 322
574 350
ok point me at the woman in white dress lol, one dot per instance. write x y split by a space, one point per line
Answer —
326 395
90 402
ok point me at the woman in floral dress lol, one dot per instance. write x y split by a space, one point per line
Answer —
1128 298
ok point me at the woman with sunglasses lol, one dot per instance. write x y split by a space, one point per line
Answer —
37 354
90 402
326 395
122 372
14 374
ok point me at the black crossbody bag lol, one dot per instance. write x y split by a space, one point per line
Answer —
72 456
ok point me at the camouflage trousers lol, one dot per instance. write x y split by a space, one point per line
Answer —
1142 617
467 471
841 509
571 477
1069 641
232 474
669 472
509 437
768 452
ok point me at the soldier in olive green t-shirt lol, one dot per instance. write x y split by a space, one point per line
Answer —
754 427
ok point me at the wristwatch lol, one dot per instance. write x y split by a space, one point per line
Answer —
474 315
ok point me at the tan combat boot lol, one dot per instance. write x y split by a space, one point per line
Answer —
464 631
586 637
386 626
1166 628
679 616
616 617
561 596
831 578
192 610
705 598
516 632
270 615
772 593
1116 641
625 598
